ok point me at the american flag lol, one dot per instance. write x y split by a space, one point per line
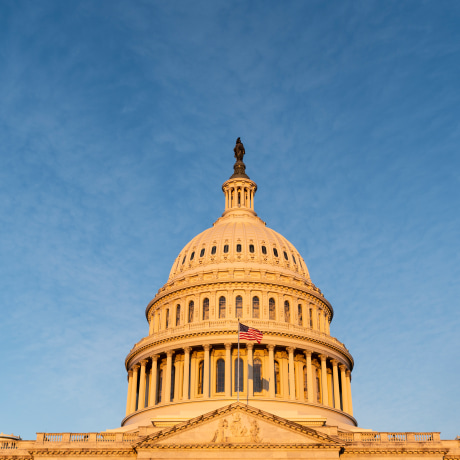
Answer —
249 333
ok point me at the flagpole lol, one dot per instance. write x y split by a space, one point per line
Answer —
238 368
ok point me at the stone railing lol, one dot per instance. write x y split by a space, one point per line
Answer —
379 437
54 438
10 444
232 324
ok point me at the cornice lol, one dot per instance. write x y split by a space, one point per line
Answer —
233 446
135 351
403 450
84 451
275 285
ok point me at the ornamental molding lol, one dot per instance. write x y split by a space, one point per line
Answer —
277 334
83 451
307 290
403 450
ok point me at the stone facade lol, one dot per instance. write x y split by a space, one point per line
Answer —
196 391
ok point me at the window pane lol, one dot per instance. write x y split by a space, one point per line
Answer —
220 378
299 315
287 313
160 385
178 315
200 377
238 248
257 375
255 307
191 308
226 248
202 253
277 378
192 256
205 309
239 377
271 308
239 306
264 250
222 305
167 318
275 252
213 250
285 255
251 248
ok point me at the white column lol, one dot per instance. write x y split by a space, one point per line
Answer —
185 395
344 388
324 392
167 377
291 373
130 389
271 369
350 404
228 370
206 347
335 376
309 376
134 388
141 402
153 381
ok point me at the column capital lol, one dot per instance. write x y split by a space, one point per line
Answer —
136 367
154 358
334 362
130 373
271 347
187 349
207 346
290 349
308 353
342 367
348 373
228 346
249 346
323 357
144 362
169 352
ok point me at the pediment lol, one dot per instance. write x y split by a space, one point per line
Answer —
237 424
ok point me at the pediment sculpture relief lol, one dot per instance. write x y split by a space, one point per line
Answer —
236 431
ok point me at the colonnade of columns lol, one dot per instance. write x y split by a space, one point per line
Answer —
240 195
211 372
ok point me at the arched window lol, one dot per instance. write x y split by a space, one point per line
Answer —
287 313
191 308
205 309
200 377
173 382
239 377
239 306
160 385
222 305
271 308
255 307
202 252
277 378
220 377
192 256
225 247
178 315
285 255
251 248
305 383
299 315
275 252
213 250
167 318
257 375
264 250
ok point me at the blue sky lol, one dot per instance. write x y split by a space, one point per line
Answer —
117 126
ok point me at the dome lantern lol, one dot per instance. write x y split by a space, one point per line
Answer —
239 190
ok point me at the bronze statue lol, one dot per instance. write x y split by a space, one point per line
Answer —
239 150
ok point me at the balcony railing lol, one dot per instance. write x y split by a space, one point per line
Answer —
378 437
